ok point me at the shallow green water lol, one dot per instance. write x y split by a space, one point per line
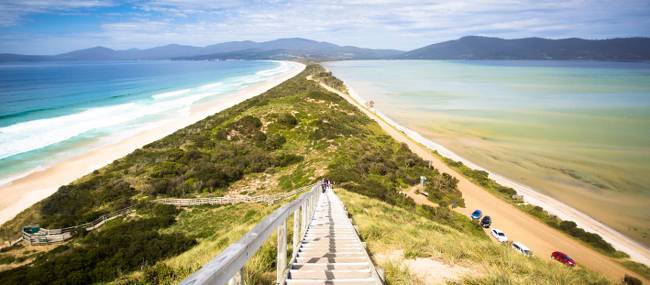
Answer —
577 131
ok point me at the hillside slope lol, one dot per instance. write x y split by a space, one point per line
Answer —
290 136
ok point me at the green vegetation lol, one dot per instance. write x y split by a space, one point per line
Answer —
319 74
103 255
417 236
510 195
378 169
638 268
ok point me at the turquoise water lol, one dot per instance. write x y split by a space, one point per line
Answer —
577 131
51 111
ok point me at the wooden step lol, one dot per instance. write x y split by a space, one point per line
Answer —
324 247
325 266
330 239
329 259
331 255
329 274
367 281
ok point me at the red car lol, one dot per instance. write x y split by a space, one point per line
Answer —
563 258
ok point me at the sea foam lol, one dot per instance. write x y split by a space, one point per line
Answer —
171 94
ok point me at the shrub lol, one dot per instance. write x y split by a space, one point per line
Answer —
103 255
631 280
285 159
287 120
275 141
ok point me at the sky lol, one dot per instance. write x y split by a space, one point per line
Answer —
56 26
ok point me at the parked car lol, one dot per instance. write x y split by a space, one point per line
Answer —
499 235
476 215
486 222
521 248
563 258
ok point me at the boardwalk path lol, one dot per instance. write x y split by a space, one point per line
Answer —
326 247
331 251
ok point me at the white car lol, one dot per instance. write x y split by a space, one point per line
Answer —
499 235
521 248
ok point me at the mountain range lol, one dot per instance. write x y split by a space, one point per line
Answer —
470 47
473 47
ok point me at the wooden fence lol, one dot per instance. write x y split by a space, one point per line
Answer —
47 236
268 199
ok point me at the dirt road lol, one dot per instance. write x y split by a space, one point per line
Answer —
519 226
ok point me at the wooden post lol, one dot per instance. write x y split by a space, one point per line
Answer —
281 260
304 217
308 210
296 230
309 204
238 278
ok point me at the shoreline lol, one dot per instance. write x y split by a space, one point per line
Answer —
30 189
634 249
520 226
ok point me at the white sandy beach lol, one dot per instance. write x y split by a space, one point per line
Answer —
34 187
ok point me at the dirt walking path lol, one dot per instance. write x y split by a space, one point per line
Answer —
419 198
519 226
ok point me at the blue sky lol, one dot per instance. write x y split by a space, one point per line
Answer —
55 26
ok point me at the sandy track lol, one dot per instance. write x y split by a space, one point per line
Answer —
519 226
417 197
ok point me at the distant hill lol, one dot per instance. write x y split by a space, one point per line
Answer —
470 47
290 48
474 47
95 53
11 57
296 48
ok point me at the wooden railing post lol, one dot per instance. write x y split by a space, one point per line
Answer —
296 230
308 207
281 260
303 207
312 205
311 208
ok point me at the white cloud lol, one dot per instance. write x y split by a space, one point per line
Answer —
12 11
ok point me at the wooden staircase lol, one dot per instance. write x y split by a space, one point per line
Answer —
326 247
331 251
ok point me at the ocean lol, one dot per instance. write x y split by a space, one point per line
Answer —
52 111
577 131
